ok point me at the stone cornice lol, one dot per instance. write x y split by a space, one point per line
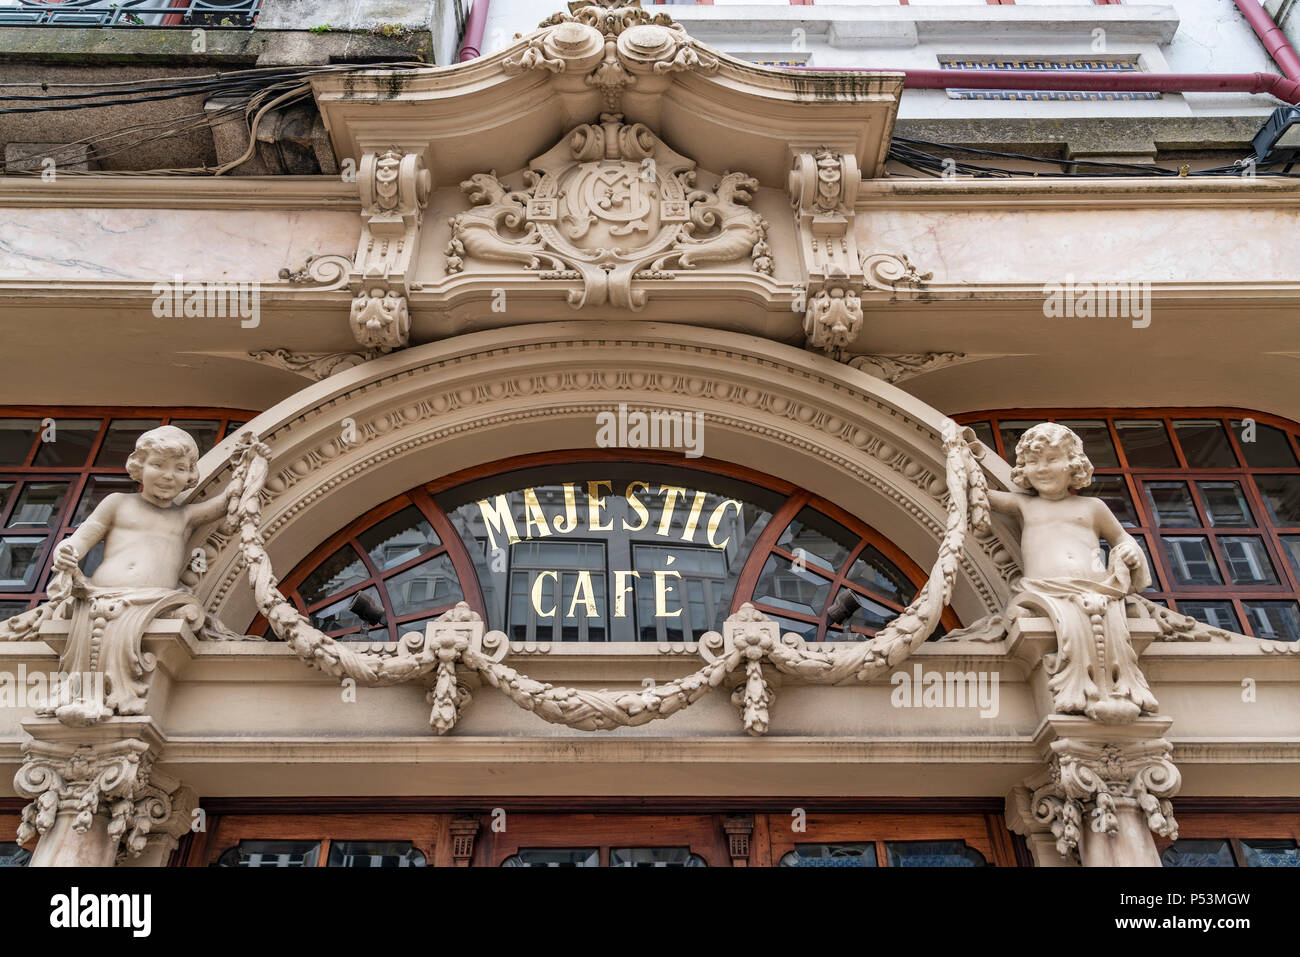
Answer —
180 192
1080 193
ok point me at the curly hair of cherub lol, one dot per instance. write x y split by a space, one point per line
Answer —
1051 435
164 440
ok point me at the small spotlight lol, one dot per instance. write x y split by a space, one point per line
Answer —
365 608
843 608
1278 141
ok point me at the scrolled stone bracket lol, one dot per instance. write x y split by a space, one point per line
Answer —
457 649
823 187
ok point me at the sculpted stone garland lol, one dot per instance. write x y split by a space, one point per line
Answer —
749 639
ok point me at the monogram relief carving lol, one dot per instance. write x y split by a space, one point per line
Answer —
609 205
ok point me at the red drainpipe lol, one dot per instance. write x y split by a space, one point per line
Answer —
473 43
1284 88
1270 34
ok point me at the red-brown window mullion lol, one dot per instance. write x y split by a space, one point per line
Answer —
470 587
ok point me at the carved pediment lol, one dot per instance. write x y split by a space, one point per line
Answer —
609 204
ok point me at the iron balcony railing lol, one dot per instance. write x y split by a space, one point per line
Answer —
129 13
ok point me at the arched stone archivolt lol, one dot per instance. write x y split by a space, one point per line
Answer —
358 438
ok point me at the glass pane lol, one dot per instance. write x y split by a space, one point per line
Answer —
1112 490
1271 853
1146 444
654 857
16 438
932 854
1247 560
1011 433
271 854
398 538
341 570
233 427
819 540
206 432
1198 853
1217 614
374 854
804 629
341 615
1292 545
10 608
1276 620
5 489
11 855
98 488
692 604
39 504
120 439
1282 497
70 444
554 857
430 585
1171 502
1226 504
853 610
781 585
876 573
984 432
1191 561
857 854
1096 441
20 562
1264 446
1205 444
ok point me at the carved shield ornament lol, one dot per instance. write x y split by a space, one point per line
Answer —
608 205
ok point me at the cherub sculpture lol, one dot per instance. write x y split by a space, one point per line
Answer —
145 536
1095 670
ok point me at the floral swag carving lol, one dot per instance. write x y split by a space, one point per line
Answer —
609 205
457 646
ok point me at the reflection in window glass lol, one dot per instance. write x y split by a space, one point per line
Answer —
932 854
1011 433
16 439
20 564
398 538
344 612
984 432
271 854
1096 441
847 854
1247 560
119 441
71 444
10 608
341 570
654 857
424 587
1194 852
821 542
557 591
1217 614
1282 497
1191 561
784 586
1205 444
554 857
1264 446
1112 490
1270 853
1292 545
1146 550
876 573
206 432
1146 444
374 854
39 505
1171 502
700 591
1275 620
1226 504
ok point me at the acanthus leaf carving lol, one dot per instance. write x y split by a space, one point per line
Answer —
897 367
313 365
609 205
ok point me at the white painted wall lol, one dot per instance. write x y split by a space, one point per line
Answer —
1180 36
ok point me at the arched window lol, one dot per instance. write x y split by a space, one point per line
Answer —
593 546
1211 495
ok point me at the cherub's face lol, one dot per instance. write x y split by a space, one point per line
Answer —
1048 471
165 476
